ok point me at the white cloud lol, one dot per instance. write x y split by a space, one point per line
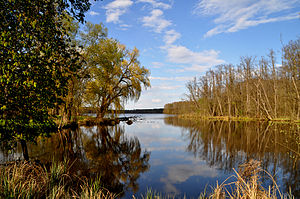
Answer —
125 26
166 92
157 65
181 54
161 78
93 13
156 21
156 4
171 36
172 78
156 100
166 87
235 15
115 9
243 24
198 68
196 61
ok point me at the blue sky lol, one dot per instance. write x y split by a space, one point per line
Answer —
181 39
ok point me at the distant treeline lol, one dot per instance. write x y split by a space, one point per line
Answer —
256 88
86 110
142 111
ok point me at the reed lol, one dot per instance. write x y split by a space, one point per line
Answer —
248 185
31 180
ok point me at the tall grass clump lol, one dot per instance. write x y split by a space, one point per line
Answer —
248 185
31 180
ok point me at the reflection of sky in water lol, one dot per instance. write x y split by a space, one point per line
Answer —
172 169
185 158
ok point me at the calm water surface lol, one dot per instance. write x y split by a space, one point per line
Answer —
174 156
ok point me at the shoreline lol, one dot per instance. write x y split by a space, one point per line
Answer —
241 119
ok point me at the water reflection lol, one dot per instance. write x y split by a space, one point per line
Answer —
180 173
98 151
186 156
228 144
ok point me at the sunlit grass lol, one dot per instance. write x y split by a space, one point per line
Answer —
248 185
30 180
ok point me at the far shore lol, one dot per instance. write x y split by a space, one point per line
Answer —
231 118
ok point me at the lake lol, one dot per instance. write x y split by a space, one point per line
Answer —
173 156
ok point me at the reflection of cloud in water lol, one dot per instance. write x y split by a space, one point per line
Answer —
170 188
165 140
155 143
156 126
147 124
166 148
156 162
194 160
182 172
89 131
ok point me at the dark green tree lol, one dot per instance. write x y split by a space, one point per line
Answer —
37 61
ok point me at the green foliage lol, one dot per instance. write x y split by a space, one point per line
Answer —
37 60
115 72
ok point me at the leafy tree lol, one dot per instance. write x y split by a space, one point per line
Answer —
73 99
115 73
36 64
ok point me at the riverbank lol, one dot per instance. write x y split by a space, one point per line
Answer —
33 180
228 118
93 121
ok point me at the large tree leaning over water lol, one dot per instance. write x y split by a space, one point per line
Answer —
116 75
36 64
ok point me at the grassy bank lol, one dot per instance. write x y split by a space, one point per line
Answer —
195 116
31 180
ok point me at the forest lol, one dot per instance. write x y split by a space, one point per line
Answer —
255 88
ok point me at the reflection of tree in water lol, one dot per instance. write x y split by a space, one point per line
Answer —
228 144
118 159
99 151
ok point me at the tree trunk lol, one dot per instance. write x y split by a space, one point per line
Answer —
101 113
25 150
229 105
298 99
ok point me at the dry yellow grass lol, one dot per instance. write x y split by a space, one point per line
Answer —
247 185
30 180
